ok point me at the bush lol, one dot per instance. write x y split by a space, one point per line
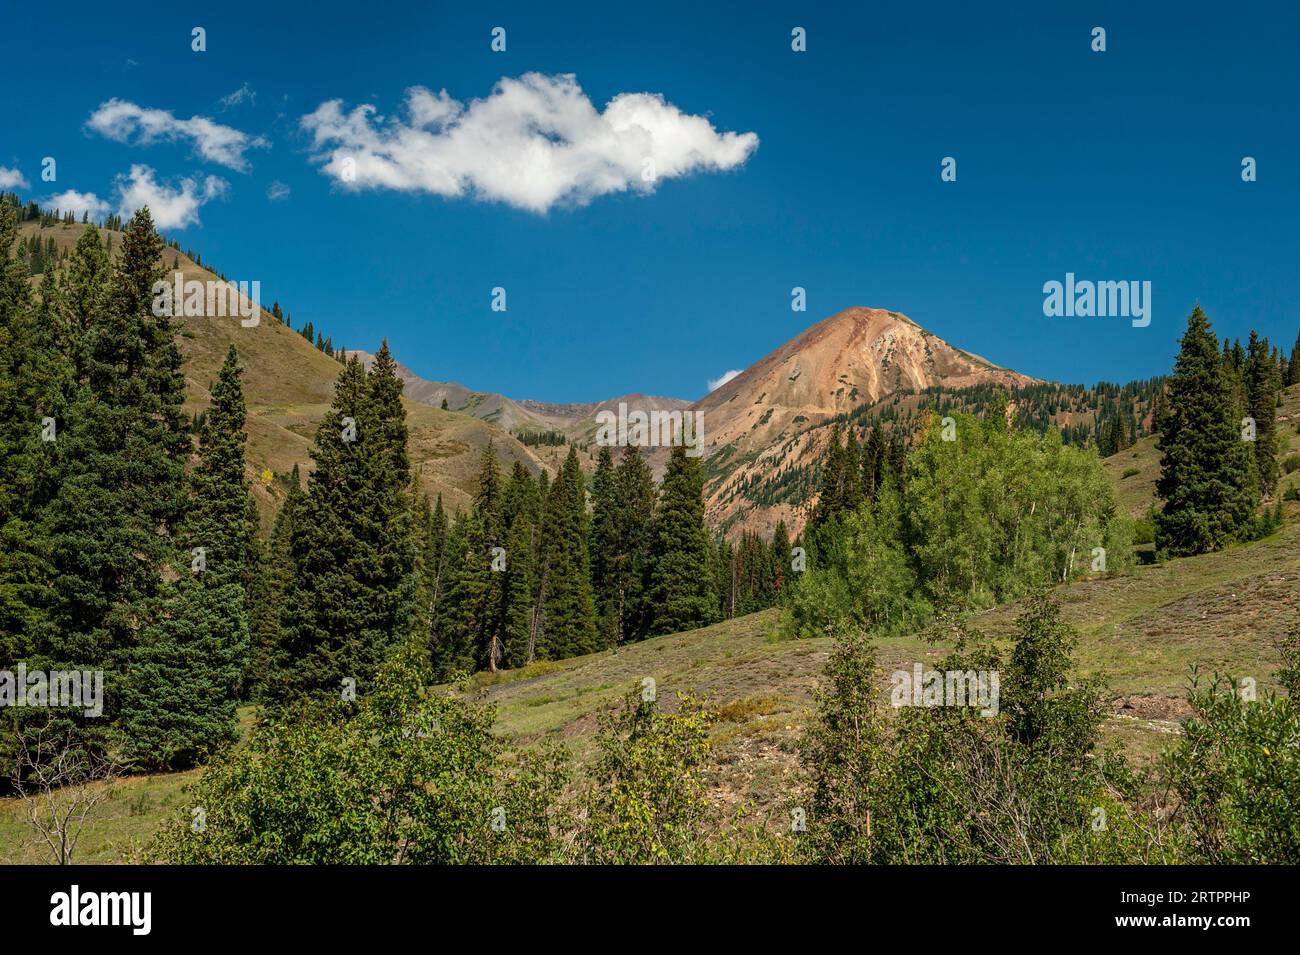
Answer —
945 784
1237 773
1291 463
1144 528
405 776
647 801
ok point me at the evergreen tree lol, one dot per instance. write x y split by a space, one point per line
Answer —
181 692
490 638
27 398
604 547
119 461
179 699
1293 366
567 616
457 620
1205 466
436 554
1261 396
629 570
522 516
781 550
681 578
223 518
353 549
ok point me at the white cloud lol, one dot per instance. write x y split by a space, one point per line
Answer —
716 383
122 122
534 142
172 207
12 178
277 191
245 94
77 203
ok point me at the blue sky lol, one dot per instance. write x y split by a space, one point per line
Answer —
1123 165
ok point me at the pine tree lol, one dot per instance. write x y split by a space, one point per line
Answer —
1205 466
521 514
119 462
681 580
567 616
28 367
630 569
180 697
223 518
1293 366
353 549
781 551
873 463
830 491
604 547
436 555
1261 397
520 602
182 688
490 638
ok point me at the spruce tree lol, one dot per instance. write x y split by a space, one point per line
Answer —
27 398
436 555
1205 466
521 515
459 622
490 531
184 680
119 462
630 569
222 518
604 547
179 699
682 593
1293 366
567 616
1261 397
353 549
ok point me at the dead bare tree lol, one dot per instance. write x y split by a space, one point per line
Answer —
61 782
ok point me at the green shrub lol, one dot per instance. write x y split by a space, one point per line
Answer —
946 784
403 776
1237 774
646 804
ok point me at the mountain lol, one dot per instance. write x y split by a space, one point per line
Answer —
504 412
764 430
855 357
575 420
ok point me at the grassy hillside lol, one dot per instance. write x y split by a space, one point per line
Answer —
288 384
1142 631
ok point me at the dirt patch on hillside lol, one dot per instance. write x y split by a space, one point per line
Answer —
1154 708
